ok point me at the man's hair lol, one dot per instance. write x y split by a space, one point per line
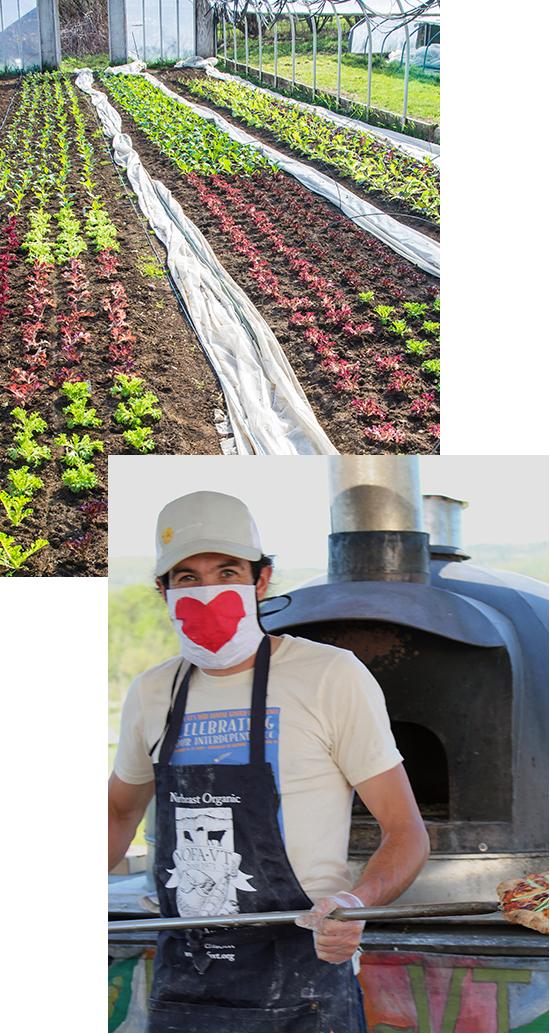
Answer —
256 565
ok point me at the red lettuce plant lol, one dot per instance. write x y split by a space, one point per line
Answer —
385 433
424 405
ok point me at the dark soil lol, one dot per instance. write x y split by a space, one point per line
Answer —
169 358
176 79
8 91
380 269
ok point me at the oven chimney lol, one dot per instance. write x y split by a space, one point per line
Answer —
376 520
443 522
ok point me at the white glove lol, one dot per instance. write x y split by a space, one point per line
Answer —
334 941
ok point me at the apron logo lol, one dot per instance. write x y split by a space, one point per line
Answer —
206 871
212 624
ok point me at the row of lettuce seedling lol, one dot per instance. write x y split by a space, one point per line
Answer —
45 155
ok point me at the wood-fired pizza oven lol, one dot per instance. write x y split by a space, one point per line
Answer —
460 653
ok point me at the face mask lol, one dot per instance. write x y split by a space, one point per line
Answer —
217 624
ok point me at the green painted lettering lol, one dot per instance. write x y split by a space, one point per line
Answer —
502 977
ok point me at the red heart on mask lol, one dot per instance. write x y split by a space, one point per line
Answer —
212 624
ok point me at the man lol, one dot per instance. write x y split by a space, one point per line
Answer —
254 745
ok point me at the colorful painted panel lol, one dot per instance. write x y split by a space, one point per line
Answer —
411 993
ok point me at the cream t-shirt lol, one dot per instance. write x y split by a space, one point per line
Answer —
327 729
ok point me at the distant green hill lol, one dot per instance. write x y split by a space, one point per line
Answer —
139 570
531 559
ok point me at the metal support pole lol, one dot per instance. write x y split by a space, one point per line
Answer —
246 56
293 47
235 45
369 82
224 30
160 31
19 40
339 71
259 20
178 55
144 55
48 32
275 48
407 65
314 83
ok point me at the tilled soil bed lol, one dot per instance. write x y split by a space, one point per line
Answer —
177 80
303 264
167 356
8 92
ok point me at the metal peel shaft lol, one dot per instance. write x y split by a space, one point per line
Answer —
426 911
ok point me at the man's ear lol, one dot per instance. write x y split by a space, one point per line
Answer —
160 586
263 581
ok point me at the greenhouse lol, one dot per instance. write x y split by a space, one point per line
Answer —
197 258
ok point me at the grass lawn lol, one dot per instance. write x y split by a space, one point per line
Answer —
387 86
97 62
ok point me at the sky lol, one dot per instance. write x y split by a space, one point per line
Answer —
289 497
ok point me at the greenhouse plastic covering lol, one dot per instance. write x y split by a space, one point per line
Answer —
409 243
419 149
267 408
160 29
19 39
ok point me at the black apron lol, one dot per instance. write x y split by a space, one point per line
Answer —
219 850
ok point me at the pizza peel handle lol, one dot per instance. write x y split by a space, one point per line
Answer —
381 913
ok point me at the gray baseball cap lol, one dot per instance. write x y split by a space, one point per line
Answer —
205 522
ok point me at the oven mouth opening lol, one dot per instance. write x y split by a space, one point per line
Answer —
425 763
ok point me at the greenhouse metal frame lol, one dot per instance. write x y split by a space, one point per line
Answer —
400 13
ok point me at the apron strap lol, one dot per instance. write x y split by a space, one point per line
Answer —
259 696
176 713
174 720
169 714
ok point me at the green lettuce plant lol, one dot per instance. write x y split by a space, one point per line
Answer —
16 507
13 556
22 482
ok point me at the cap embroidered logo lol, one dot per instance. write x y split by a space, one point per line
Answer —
212 624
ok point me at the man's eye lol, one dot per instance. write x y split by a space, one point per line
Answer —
229 572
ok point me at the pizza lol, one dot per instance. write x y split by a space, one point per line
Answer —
525 901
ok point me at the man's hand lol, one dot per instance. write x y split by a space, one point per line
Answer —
334 941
